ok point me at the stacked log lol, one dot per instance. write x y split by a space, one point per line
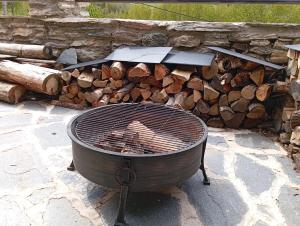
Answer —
224 94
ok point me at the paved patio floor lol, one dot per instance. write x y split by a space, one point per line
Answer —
252 180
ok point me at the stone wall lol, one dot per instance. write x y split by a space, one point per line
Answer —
95 38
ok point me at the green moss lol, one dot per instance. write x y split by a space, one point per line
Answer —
277 13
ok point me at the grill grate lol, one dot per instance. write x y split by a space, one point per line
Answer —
158 128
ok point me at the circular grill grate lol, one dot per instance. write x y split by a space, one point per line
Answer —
139 128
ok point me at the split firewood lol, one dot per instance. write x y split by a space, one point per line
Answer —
295 119
139 71
107 90
292 54
75 73
240 80
81 95
64 98
67 105
146 93
228 63
144 86
70 95
126 98
160 96
263 92
215 122
104 100
153 141
216 83
11 93
150 80
281 87
236 121
105 69
34 78
196 95
226 113
234 95
248 92
118 96
189 103
171 101
66 76
210 93
287 113
195 83
292 68
135 93
208 72
240 105
85 80
26 51
250 123
179 99
214 110
160 71
175 87
100 83
258 75
256 111
96 73
117 70
250 66
117 84
223 100
168 80
183 74
73 88
202 107
94 96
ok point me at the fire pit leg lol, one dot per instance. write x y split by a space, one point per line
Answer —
206 180
71 167
120 221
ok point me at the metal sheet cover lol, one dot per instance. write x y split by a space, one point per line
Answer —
294 47
246 57
140 54
85 64
189 58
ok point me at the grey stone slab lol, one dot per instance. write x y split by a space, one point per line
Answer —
33 106
68 56
13 138
218 141
214 161
289 204
5 107
12 214
21 168
40 194
61 212
14 120
147 209
256 141
95 194
256 177
60 110
260 223
53 135
218 204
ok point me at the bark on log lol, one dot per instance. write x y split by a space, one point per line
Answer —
208 72
85 80
118 96
160 71
258 75
263 92
215 122
104 100
11 93
97 73
150 80
117 70
248 92
34 78
105 69
240 80
135 93
256 111
26 51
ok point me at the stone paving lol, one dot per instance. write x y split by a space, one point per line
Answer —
252 180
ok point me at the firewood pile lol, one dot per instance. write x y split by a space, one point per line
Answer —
290 132
27 68
231 92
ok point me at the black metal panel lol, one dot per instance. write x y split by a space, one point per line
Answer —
189 58
85 64
246 57
293 47
140 54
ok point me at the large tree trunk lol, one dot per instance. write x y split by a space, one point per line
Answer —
26 51
34 78
11 93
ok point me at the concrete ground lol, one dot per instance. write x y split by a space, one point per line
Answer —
252 180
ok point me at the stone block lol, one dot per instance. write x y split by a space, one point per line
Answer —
261 50
280 43
285 138
186 41
240 46
260 43
155 39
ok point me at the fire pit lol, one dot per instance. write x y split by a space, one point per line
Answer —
137 147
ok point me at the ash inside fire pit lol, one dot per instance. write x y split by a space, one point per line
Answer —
139 139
